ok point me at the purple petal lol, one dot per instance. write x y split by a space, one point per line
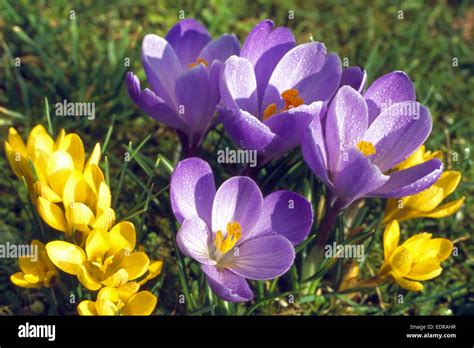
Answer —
324 84
238 85
354 77
289 127
411 181
193 240
263 258
247 131
397 132
227 285
314 150
162 67
356 177
265 47
221 49
153 105
196 100
285 213
389 89
237 200
188 37
301 63
346 123
192 190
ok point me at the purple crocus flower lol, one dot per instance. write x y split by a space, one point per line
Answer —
365 136
183 72
273 90
235 233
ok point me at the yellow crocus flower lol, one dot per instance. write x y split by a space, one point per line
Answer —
124 300
418 258
428 202
37 272
107 260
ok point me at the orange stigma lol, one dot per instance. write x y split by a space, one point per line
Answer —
197 62
234 233
292 100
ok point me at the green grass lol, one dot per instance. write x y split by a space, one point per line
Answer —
83 60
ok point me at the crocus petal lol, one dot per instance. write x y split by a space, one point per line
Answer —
237 200
285 213
87 279
323 85
227 285
389 89
354 77
66 256
298 65
397 132
264 47
391 237
152 104
105 220
289 128
401 261
196 104
73 145
52 214
142 303
95 155
97 244
221 49
346 123
410 181
238 85
263 258
445 209
58 168
38 142
161 65
136 264
80 216
123 237
407 284
18 279
76 189
424 271
356 177
188 37
87 308
192 190
193 240
314 150
247 131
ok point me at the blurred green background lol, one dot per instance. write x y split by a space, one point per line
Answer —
82 59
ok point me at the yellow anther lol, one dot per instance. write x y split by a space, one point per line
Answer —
197 62
234 233
292 100
366 147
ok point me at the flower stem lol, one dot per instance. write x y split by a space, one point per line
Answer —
326 224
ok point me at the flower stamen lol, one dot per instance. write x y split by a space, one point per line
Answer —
292 100
234 233
197 62
366 147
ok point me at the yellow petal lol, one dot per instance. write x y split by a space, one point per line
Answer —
391 236
443 248
426 200
136 264
75 189
143 303
94 157
106 220
425 271
52 214
16 142
66 256
19 280
416 158
449 181
59 139
417 244
86 279
41 164
408 284
117 279
43 190
123 236
73 145
80 217
446 209
104 198
39 142
18 163
106 301
97 244
401 261
94 177
128 290
87 308
60 165
154 271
